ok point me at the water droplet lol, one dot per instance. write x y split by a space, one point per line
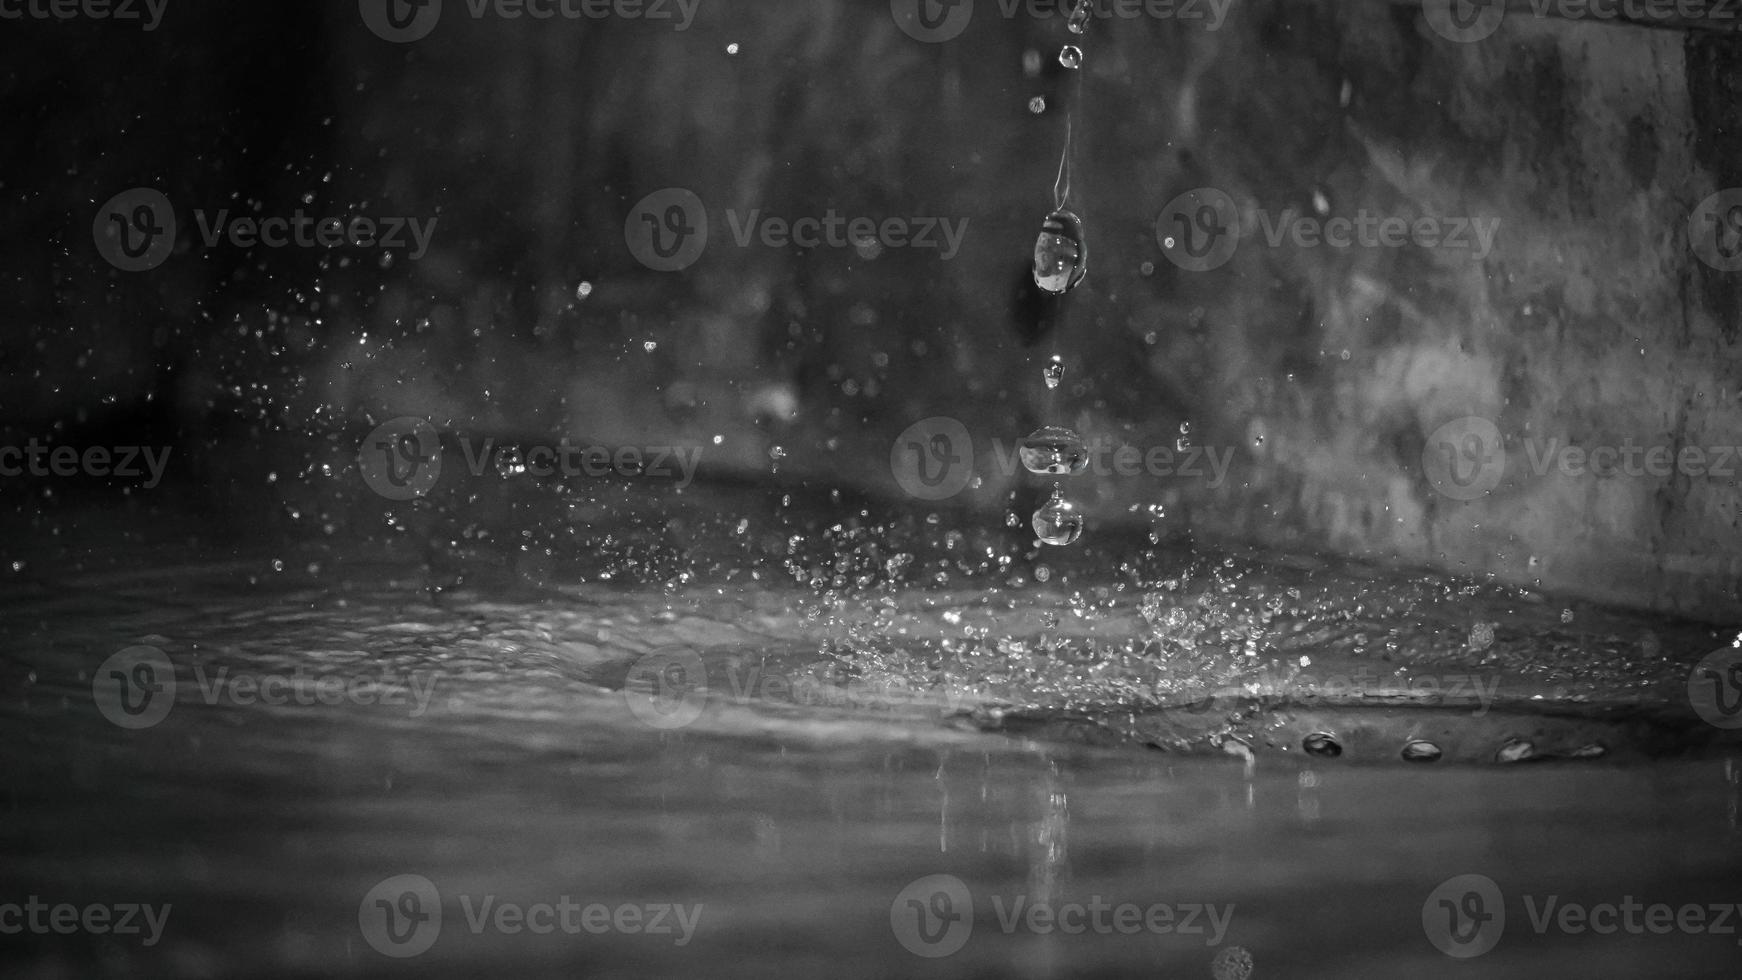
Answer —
1071 57
1058 522
584 290
1232 963
1037 105
650 346
732 48
1079 21
1421 750
1322 744
1515 750
1053 451
1061 255
1054 372
1031 63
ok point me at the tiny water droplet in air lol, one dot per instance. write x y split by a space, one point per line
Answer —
1053 451
1321 204
650 346
1058 522
1037 105
1071 57
584 290
732 48
1054 372
1061 255
1079 21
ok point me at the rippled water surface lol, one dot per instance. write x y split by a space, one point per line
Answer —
853 731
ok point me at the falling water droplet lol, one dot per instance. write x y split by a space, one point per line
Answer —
1061 255
1071 57
1079 21
1037 105
1053 451
1059 522
1054 372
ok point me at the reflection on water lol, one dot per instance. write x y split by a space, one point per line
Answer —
334 729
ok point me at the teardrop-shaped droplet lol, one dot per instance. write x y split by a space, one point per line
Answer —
1079 21
1421 750
1061 253
1058 522
1071 57
1053 451
1054 372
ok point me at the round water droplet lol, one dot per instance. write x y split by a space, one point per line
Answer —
1037 105
1421 750
1322 744
1071 57
1061 253
1054 372
1053 451
1059 522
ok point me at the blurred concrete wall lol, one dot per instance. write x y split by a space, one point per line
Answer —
1410 401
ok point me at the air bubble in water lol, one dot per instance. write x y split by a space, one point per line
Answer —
1061 255
1058 522
1053 451
1071 57
1054 372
